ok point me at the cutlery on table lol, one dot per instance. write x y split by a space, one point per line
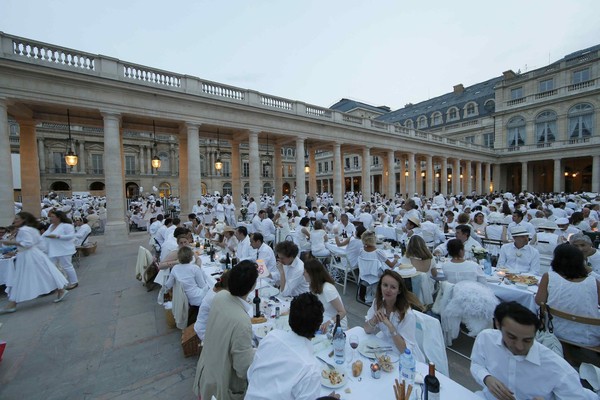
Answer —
331 366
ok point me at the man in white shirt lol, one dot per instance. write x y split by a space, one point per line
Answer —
267 227
510 364
263 252
197 208
518 221
592 255
160 235
346 226
257 222
82 230
565 229
519 256
291 269
366 218
284 366
252 208
463 232
332 225
244 249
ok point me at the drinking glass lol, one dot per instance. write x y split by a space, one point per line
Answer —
353 345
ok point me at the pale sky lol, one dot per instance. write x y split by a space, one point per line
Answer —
382 52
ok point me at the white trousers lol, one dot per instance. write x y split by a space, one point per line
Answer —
65 263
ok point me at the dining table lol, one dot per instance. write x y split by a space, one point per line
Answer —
365 386
505 290
6 263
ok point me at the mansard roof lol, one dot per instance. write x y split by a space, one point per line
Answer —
347 105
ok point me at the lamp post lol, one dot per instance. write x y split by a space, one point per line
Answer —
70 158
218 162
155 160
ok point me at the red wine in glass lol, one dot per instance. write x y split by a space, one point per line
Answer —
354 345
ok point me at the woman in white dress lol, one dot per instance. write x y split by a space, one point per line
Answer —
322 285
568 287
34 273
318 238
457 268
392 315
61 244
282 222
302 235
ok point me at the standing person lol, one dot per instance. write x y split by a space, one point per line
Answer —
229 212
34 272
227 351
61 245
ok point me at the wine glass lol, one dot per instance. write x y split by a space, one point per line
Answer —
353 344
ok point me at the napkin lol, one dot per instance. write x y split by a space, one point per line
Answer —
591 374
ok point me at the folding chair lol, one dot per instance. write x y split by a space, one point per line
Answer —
342 264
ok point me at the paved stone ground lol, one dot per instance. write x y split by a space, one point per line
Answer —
109 339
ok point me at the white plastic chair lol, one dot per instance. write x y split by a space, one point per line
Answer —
369 271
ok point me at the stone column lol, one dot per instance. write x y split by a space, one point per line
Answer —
115 231
300 174
391 188
365 182
429 176
595 173
42 155
194 173
7 213
255 167
456 177
312 175
524 176
468 180
411 175
149 156
403 187
488 178
338 165
81 164
183 170
236 180
277 171
444 176
558 176
30 167
497 183
478 188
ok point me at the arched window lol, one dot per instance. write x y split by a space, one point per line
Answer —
470 109
95 186
452 114
436 118
545 127
581 121
227 188
60 186
516 131
409 123
422 122
286 188
164 189
132 190
268 188
490 106
246 188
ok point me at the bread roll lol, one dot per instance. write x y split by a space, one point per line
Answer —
258 320
357 367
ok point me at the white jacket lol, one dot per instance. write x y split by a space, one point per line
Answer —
64 245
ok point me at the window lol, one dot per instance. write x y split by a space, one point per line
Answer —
227 188
59 164
545 127
97 164
452 114
470 139
470 109
320 167
266 170
581 119
375 160
246 169
246 188
347 163
226 168
490 106
409 123
546 85
516 131
355 162
488 140
582 75
436 119
422 122
268 188
516 93
290 171
129 165
326 166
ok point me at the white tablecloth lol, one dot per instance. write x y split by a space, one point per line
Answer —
382 388
5 265
508 292
389 232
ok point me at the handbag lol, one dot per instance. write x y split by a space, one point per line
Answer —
545 335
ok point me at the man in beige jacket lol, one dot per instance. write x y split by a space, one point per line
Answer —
227 352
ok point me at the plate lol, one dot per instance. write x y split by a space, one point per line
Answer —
327 382
262 331
268 291
365 351
526 279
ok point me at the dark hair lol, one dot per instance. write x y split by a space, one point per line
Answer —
287 248
181 231
360 230
568 262
454 247
318 275
304 221
160 217
242 230
242 278
176 221
186 237
168 221
62 217
518 213
465 229
576 218
191 216
223 281
505 209
404 299
28 219
185 255
521 314
306 315
257 236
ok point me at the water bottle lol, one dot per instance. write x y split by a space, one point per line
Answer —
407 367
339 342
487 266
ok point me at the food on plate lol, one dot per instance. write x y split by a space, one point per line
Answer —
526 279
357 367
385 363
335 378
258 320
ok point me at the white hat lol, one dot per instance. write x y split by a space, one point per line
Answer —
562 221
414 220
495 218
549 225
380 210
519 231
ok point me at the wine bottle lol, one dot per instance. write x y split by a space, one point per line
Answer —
339 341
227 261
256 302
432 384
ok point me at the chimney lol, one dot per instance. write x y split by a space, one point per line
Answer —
459 89
509 74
